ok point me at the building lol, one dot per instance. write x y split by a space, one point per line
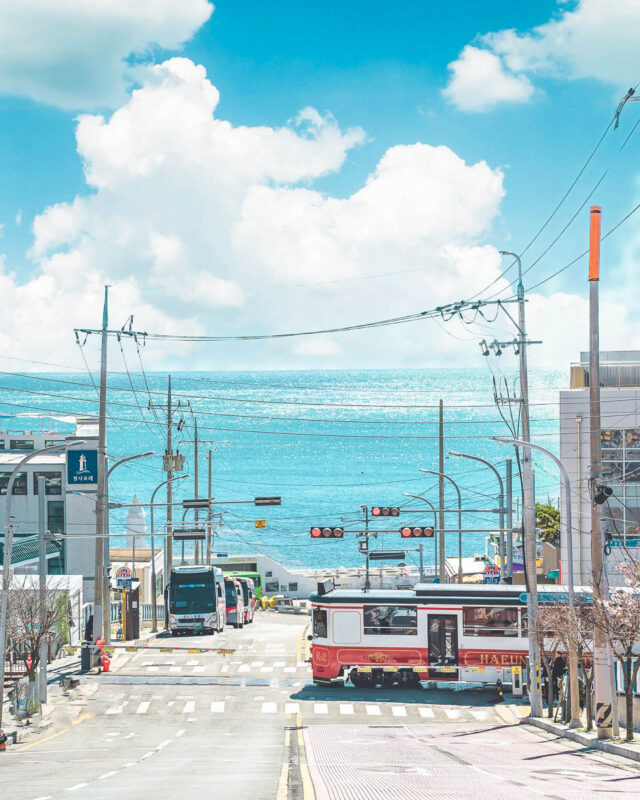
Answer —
620 423
70 486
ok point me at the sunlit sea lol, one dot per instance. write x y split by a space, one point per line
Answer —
326 442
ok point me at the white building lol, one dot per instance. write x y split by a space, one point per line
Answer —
620 423
70 487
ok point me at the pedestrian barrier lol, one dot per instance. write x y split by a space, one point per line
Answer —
134 648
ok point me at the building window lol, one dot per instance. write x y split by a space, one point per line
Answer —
1 444
21 444
621 471
390 620
271 586
53 442
19 485
52 482
490 621
293 587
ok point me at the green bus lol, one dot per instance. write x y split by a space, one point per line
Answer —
255 577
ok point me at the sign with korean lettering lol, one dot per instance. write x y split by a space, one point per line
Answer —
82 467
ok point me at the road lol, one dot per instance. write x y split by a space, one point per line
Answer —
252 725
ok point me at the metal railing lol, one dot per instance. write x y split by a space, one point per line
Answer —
612 375
146 612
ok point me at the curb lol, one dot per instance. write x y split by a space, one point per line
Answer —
581 738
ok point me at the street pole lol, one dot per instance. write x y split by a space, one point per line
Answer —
154 594
9 527
209 514
604 699
567 529
100 620
168 465
196 548
509 482
500 503
443 574
528 499
42 580
435 526
443 476
367 583
421 551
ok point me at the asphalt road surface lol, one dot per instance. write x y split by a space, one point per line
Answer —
252 725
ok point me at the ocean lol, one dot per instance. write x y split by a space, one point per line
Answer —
327 442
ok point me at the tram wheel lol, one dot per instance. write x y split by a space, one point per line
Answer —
359 679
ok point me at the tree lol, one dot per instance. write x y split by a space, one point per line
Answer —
548 522
546 631
33 623
619 618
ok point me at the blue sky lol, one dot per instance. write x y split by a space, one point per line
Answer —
382 70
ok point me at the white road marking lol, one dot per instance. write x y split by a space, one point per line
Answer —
146 755
479 714
143 707
224 668
163 744
291 708
269 708
302 664
47 796
102 777
115 710
266 669
399 711
278 663
199 669
346 708
452 713
153 669
179 733
189 707
257 663
175 669
426 712
77 786
192 662
320 708
217 707
289 669
244 668
131 764
373 711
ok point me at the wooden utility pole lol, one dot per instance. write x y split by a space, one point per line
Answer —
196 544
442 558
168 466
210 457
600 658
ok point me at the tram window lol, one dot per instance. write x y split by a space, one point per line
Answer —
490 621
320 622
391 620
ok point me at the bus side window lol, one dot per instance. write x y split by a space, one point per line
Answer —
219 589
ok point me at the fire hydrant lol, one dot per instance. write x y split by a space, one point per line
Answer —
105 662
3 741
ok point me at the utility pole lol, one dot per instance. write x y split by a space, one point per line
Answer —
42 579
509 483
100 618
168 465
196 548
528 499
441 490
604 700
210 458
367 582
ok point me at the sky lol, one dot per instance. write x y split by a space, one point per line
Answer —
268 167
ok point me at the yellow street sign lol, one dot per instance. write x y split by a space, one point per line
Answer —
260 523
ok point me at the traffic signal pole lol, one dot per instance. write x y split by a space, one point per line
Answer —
367 582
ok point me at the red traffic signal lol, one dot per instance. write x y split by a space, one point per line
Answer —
327 533
385 511
416 533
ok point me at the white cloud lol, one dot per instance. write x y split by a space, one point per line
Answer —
201 226
595 39
479 82
76 54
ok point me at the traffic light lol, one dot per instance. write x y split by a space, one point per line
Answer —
416 533
267 501
385 511
603 493
327 533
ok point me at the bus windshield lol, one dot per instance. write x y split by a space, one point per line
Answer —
192 594
230 594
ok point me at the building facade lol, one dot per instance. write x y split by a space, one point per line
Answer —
620 467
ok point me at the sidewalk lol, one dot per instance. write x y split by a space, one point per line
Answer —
618 747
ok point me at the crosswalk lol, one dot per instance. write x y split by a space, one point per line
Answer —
185 706
194 667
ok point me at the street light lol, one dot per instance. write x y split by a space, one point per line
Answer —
500 502
565 523
456 487
435 528
102 621
154 608
8 551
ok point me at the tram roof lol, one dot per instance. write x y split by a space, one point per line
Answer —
439 594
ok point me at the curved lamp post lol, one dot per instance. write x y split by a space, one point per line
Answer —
457 488
500 502
8 549
565 521
154 607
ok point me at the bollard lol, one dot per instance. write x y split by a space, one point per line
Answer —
3 741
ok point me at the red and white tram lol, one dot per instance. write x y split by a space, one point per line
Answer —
456 632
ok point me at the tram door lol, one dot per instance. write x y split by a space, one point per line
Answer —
443 645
